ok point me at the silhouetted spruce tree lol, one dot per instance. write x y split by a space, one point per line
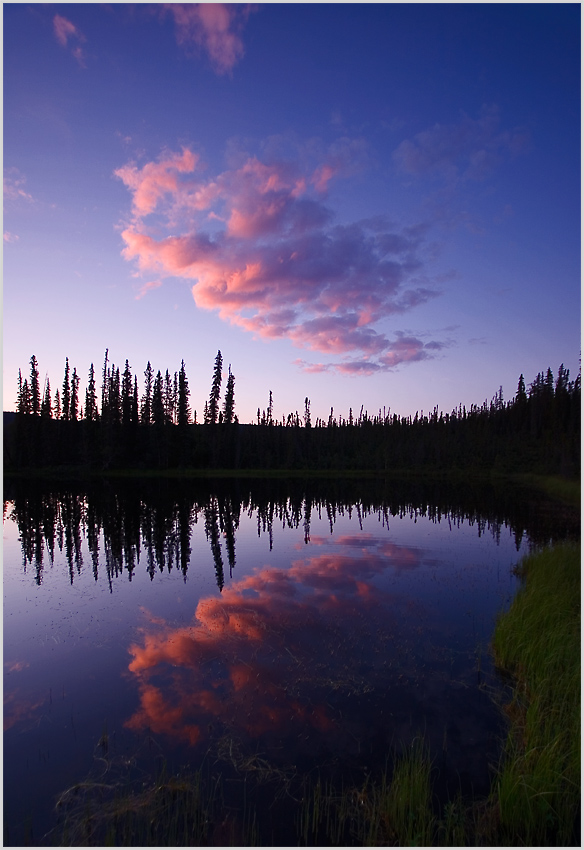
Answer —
23 405
58 411
114 397
34 388
66 395
169 397
74 398
269 418
213 407
46 407
134 414
127 395
159 414
184 411
91 412
146 406
104 390
229 401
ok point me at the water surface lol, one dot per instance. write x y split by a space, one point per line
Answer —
265 631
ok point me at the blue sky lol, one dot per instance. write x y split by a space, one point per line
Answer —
365 204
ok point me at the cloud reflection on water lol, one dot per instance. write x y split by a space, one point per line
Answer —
262 656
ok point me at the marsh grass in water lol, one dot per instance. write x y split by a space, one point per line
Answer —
538 642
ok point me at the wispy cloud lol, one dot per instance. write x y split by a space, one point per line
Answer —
152 284
14 182
263 249
10 237
212 27
65 33
468 150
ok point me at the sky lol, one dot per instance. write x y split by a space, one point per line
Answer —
362 204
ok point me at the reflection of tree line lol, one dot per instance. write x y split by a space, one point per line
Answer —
154 521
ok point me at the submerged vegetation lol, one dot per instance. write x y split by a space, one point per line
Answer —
537 431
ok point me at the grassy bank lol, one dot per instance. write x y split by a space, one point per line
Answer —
538 642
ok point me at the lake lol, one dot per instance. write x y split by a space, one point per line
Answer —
263 632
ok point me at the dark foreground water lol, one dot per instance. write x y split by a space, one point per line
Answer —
262 632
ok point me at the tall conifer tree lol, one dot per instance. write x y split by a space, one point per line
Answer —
34 388
66 395
146 407
159 416
184 411
213 409
74 399
46 407
91 412
229 401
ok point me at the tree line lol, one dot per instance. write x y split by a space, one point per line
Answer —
538 430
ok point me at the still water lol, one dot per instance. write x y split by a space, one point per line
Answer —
262 630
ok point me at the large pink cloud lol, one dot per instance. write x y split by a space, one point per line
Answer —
212 27
261 247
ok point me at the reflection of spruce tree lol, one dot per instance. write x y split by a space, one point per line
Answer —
213 535
146 526
228 523
184 520
93 529
71 518
307 513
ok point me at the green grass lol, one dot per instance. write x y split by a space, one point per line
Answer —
565 490
538 642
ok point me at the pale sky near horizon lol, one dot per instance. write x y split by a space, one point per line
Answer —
365 204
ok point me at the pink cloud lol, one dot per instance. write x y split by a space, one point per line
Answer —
152 284
213 27
261 248
64 31
13 186
10 237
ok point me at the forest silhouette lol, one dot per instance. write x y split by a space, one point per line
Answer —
537 431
